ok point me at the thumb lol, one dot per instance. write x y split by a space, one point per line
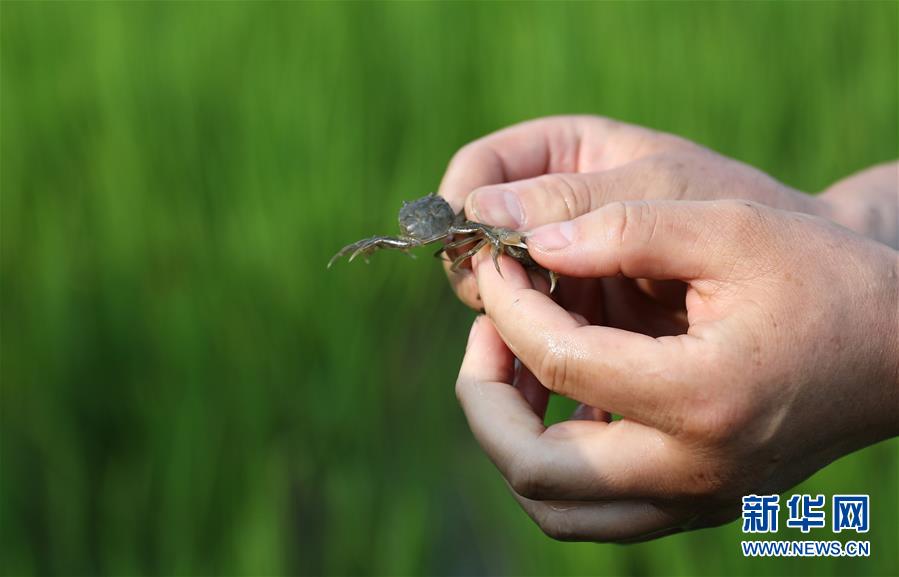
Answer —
659 240
529 203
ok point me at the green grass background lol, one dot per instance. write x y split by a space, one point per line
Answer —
187 391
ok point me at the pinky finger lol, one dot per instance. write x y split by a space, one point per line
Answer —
602 521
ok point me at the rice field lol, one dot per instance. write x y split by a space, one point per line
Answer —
187 391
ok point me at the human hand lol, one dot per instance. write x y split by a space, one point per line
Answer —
791 360
558 168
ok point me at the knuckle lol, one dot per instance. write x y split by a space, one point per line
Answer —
460 389
746 241
467 389
643 220
634 223
672 173
614 215
569 191
705 425
747 218
707 482
584 123
594 119
718 422
717 414
526 480
673 142
555 368
558 527
465 154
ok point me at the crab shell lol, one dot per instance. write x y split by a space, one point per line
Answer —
429 217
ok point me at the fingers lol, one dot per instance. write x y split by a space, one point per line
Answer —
528 149
658 240
525 204
609 521
486 356
490 404
466 287
520 151
566 144
583 459
516 152
626 373
556 196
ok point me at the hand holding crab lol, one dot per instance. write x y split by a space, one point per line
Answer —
431 219
723 332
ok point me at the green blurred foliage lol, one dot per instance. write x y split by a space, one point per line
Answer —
186 390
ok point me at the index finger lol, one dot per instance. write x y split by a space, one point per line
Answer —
536 147
631 374
529 149
520 151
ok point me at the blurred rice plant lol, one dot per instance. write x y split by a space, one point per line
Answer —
186 390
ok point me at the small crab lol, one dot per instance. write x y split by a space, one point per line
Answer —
430 219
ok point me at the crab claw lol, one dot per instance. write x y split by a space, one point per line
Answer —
495 251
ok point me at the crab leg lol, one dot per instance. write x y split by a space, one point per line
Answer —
495 251
467 227
467 254
456 244
461 242
368 245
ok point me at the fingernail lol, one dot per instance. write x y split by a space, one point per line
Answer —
552 236
499 207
